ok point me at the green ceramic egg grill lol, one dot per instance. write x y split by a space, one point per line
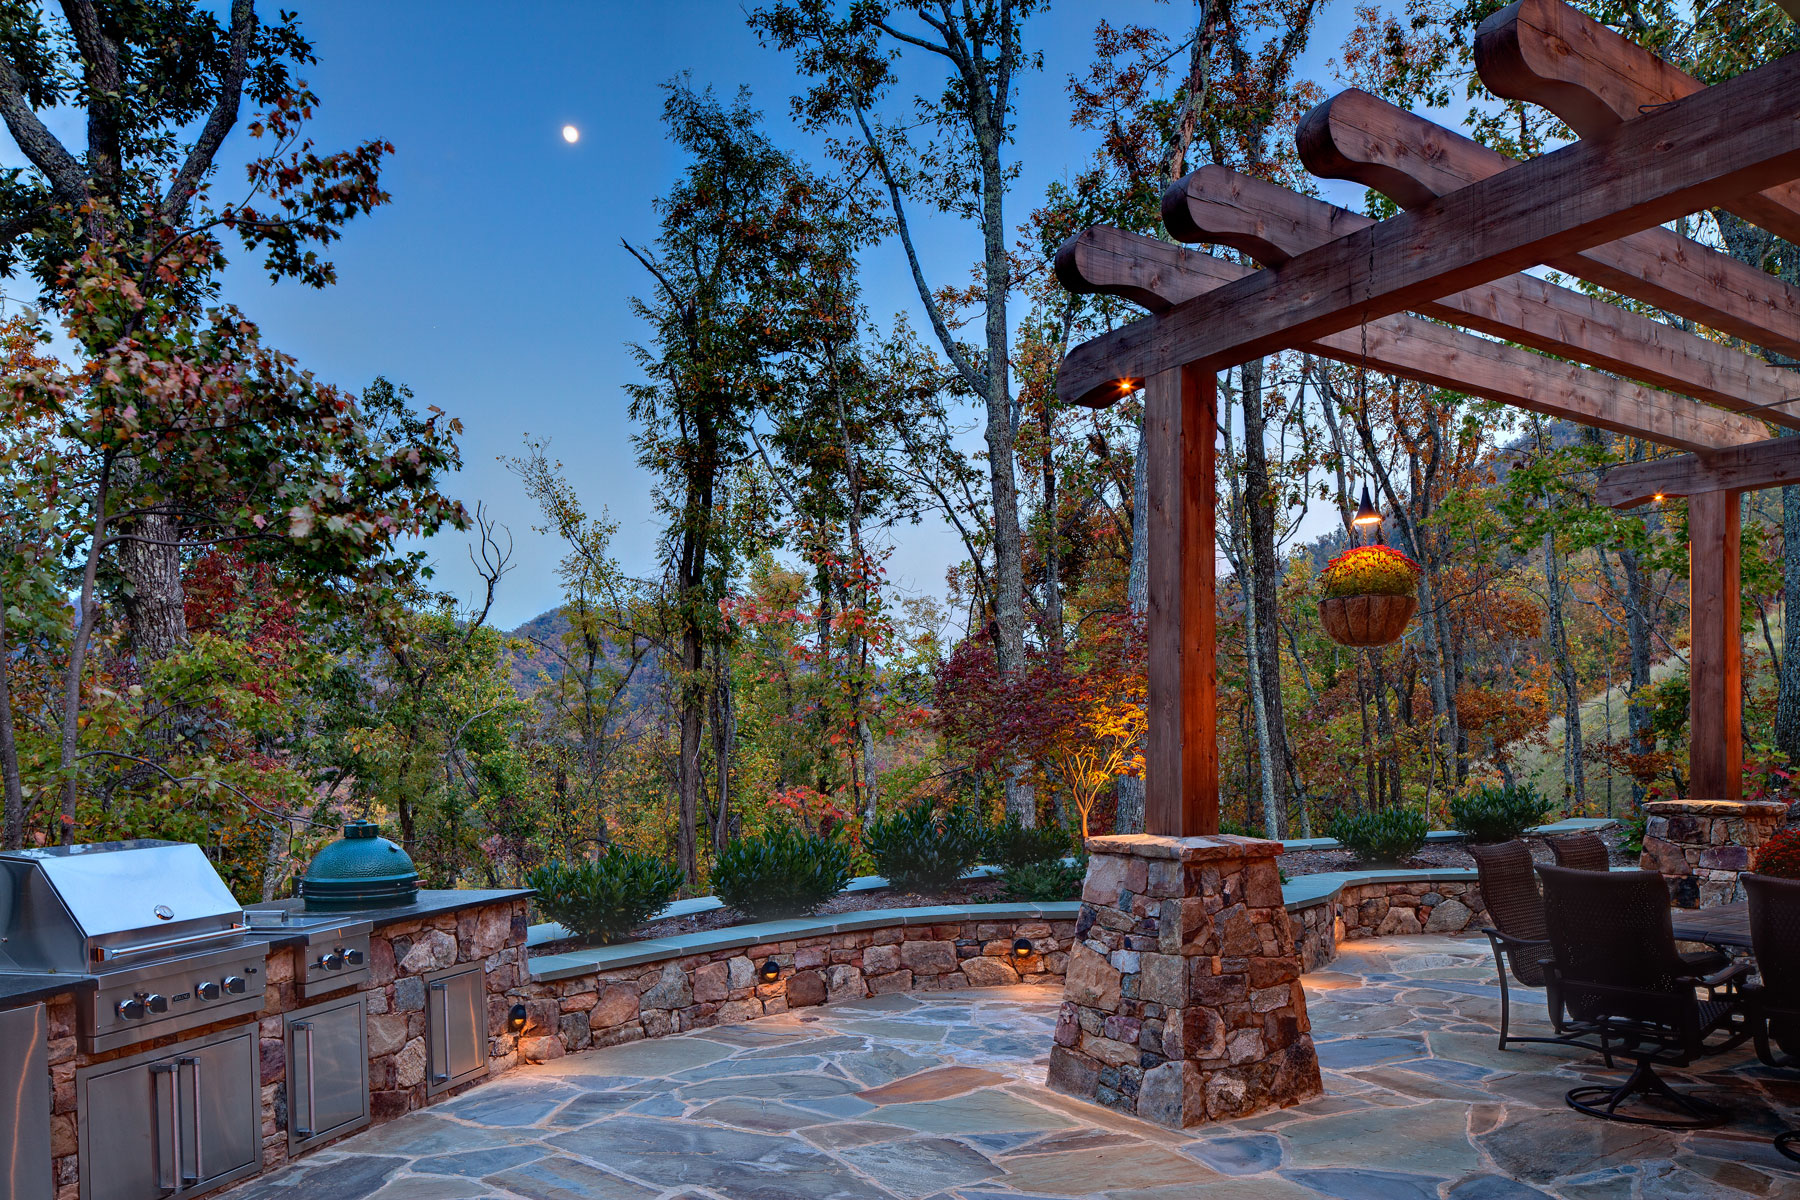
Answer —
360 870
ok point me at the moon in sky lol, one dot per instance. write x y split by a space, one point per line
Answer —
571 134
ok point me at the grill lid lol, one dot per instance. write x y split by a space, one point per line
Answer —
361 870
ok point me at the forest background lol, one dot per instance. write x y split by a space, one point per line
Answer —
219 625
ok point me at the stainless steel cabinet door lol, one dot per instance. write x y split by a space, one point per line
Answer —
25 1104
328 1071
173 1121
221 1108
455 1026
129 1135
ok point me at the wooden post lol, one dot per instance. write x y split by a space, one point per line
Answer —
1181 761
1715 656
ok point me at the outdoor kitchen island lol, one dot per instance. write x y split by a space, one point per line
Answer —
364 1014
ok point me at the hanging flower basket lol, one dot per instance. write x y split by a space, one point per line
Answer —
1369 595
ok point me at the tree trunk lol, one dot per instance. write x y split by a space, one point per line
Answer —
1787 700
9 747
1265 570
1574 777
1130 818
150 560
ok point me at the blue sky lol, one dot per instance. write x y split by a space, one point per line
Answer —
494 285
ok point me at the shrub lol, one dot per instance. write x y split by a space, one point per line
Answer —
1370 571
916 849
782 873
1013 844
1050 879
1391 835
1236 828
1497 814
1780 855
604 900
1631 841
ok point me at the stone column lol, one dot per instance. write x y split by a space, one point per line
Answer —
1701 846
1182 1003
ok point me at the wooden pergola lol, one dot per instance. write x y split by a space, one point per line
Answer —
1401 295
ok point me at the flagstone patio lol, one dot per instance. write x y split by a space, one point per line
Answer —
942 1098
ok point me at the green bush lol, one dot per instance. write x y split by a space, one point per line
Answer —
1634 827
1236 828
1050 879
1391 835
918 850
604 900
782 873
1013 844
1497 814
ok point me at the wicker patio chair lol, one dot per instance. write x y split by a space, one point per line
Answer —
1617 969
1581 851
1774 1003
1509 891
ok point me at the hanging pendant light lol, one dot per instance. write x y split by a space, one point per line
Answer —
1366 512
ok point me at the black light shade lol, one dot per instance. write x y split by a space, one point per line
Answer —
1022 948
771 971
515 1018
1366 512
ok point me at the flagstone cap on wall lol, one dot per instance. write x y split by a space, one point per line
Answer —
1767 809
1212 848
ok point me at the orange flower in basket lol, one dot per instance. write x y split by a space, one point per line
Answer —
1370 571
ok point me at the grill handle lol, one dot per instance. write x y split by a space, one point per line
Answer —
168 1166
312 1108
443 1046
113 953
194 1096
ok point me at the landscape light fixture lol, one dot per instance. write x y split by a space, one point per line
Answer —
515 1018
771 971
1022 948
1366 512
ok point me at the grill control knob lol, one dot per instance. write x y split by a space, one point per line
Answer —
132 1010
353 958
156 1003
207 990
234 985
332 961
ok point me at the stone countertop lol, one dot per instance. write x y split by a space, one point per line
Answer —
431 902
16 991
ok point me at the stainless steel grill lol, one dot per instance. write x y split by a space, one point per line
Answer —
150 921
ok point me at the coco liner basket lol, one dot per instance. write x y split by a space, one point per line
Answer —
1369 596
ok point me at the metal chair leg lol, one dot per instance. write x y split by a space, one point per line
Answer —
1602 1101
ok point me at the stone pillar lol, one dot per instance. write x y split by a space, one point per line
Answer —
1701 846
1182 1003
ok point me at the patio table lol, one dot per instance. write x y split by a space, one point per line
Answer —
1720 925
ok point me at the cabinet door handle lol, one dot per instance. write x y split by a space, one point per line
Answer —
194 1095
168 1166
312 1107
443 1046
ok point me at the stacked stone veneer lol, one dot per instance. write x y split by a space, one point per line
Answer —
1385 909
1701 846
1183 1001
722 987
399 956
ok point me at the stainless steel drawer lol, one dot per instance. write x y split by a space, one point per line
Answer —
455 1026
169 1122
327 1071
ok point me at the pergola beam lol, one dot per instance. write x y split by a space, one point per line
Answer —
1272 224
1546 53
1413 161
1737 137
1160 275
1774 462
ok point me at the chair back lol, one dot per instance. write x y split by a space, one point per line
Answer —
1775 935
1509 889
1614 945
1580 851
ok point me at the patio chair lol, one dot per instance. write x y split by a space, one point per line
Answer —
1617 969
1509 890
1774 1002
1580 851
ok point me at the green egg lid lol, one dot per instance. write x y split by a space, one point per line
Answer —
360 870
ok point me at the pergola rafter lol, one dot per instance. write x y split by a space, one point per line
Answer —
1334 280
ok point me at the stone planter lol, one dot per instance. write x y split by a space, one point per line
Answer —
1366 620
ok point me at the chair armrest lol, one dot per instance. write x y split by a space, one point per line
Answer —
1719 979
1515 943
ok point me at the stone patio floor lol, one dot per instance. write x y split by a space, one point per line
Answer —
941 1096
